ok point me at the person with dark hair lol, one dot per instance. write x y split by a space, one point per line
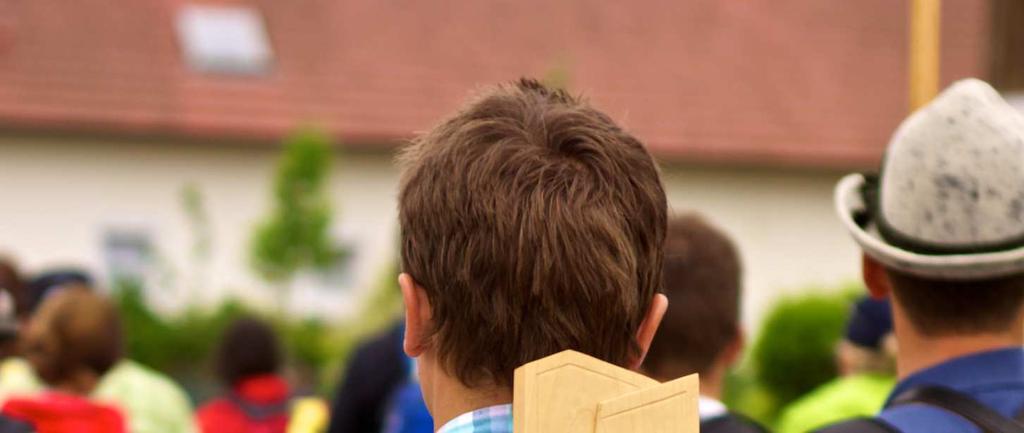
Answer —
530 224
72 341
701 330
375 371
258 399
942 231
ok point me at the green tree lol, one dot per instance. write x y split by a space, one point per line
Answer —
296 233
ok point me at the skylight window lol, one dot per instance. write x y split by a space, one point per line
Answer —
224 39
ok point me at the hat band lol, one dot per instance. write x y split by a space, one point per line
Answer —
870 194
901 240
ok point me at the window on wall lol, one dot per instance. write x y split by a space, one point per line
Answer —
1007 54
224 39
128 253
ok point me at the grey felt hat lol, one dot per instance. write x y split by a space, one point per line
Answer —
949 201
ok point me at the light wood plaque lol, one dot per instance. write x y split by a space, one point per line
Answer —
570 392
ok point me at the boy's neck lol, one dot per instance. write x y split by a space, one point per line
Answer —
711 380
711 386
451 399
918 352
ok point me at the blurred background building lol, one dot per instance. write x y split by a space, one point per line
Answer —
114 116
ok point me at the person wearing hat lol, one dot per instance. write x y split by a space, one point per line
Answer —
942 231
865 358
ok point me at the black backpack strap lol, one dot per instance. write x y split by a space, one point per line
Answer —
988 420
859 425
731 423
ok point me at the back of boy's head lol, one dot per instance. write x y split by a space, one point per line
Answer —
702 282
248 348
74 330
534 224
938 308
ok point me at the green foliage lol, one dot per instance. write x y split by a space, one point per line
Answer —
795 351
307 341
384 304
744 394
380 310
171 344
183 345
296 234
146 334
194 207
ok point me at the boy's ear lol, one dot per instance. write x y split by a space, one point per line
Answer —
875 278
417 315
649 327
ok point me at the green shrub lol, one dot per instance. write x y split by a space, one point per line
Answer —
175 343
795 350
182 345
744 394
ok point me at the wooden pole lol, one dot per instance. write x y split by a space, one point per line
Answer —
925 27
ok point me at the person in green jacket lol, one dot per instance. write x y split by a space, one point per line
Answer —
151 401
866 361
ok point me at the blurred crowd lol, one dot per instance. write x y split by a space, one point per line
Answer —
64 370
532 224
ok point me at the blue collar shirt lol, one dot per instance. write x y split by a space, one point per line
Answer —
994 378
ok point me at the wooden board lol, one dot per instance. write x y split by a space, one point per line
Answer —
569 392
560 393
670 407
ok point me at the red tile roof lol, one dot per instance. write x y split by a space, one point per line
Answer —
804 82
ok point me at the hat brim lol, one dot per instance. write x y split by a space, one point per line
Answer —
848 201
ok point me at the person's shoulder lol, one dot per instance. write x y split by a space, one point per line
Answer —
143 376
219 415
908 418
216 408
920 418
18 378
843 398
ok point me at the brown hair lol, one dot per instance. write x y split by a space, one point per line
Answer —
74 329
534 224
939 307
702 283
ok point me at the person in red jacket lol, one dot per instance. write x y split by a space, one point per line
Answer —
257 400
73 339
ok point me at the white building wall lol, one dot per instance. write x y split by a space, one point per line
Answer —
59 195
783 223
